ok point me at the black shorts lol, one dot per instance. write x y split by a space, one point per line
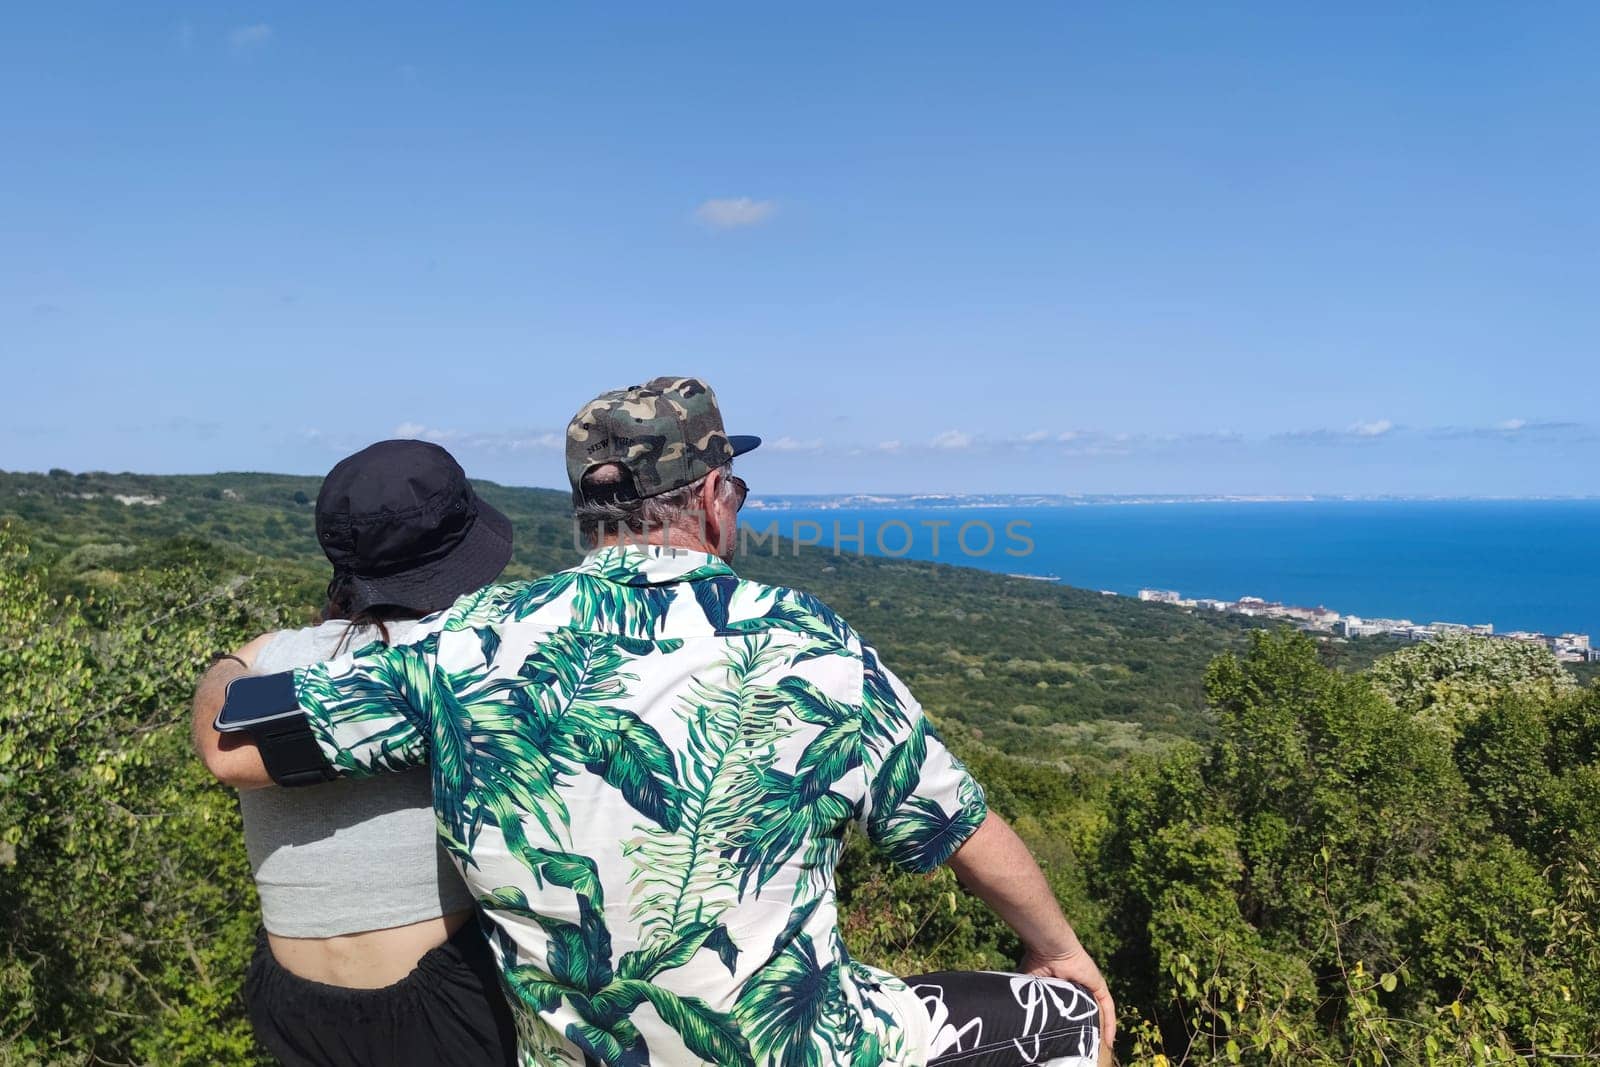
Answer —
1000 1019
448 1010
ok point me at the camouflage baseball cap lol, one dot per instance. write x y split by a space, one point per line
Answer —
666 433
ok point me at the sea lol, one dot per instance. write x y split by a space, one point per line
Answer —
1519 565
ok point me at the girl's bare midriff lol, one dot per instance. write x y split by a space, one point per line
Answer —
370 959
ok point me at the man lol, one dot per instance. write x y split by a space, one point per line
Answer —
645 767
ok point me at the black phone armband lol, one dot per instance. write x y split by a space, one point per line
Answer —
266 707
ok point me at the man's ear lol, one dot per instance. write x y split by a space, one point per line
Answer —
710 491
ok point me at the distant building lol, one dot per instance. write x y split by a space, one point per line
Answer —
1571 648
1356 626
1483 628
1160 596
1253 605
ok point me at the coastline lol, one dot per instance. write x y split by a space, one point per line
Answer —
1526 565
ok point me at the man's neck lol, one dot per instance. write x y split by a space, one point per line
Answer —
678 539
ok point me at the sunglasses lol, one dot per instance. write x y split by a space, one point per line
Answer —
741 488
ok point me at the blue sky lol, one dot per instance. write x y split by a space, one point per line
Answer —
1104 248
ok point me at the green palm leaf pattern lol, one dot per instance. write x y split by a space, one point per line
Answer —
921 834
486 766
489 641
709 1034
794 824
669 953
883 716
782 1009
687 871
833 752
796 1013
580 975
474 609
788 609
489 606
897 777
374 719
636 611
574 677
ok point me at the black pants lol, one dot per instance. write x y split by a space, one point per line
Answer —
449 1010
995 1019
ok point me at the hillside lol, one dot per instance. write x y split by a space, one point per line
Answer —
1032 668
1278 858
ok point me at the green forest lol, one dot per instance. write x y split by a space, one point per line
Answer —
1282 850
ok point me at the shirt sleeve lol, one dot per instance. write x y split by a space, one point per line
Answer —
921 802
370 711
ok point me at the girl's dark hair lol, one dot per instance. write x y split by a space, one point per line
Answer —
379 615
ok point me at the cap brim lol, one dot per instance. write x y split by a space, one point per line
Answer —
478 560
743 443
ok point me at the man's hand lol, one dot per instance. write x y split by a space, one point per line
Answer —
1079 967
996 865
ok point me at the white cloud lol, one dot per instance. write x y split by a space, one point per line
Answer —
1376 428
1519 430
1068 436
790 444
1036 436
252 36
888 446
953 439
731 213
1357 431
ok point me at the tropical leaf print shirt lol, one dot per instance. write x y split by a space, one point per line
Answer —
645 767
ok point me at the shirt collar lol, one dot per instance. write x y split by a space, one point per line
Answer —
652 565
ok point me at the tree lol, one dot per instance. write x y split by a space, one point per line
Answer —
126 899
1453 677
1323 884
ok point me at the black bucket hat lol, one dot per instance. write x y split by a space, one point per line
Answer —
403 528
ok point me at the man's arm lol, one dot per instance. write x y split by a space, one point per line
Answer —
232 758
995 864
924 809
362 711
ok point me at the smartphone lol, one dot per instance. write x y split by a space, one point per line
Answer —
256 700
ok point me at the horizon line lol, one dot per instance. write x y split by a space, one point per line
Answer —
1078 496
